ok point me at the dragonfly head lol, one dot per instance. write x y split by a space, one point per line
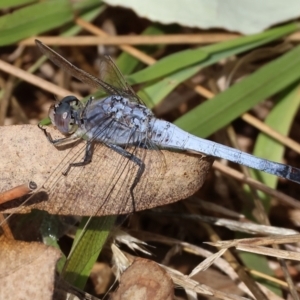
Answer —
65 114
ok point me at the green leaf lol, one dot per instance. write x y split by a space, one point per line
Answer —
14 3
88 243
227 106
280 119
259 263
154 93
169 64
191 57
37 18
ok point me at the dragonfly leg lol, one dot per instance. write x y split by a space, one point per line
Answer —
56 142
86 106
137 161
86 160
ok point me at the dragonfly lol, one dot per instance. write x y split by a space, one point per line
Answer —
121 120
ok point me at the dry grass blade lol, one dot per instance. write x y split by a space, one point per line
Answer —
37 81
256 184
17 192
131 40
8 90
270 252
259 241
190 284
127 48
254 245
207 262
205 38
251 228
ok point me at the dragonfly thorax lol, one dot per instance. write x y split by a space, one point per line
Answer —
132 115
65 114
118 120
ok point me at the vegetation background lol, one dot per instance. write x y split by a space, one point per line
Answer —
210 77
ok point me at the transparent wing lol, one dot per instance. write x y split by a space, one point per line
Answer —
103 186
110 80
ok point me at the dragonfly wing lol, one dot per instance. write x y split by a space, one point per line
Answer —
110 73
110 80
73 70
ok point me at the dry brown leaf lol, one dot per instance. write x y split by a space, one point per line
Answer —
144 279
101 277
35 279
28 155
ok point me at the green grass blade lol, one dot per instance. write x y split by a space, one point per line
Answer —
156 92
84 5
261 264
227 106
13 3
280 119
153 94
87 245
37 18
169 64
190 57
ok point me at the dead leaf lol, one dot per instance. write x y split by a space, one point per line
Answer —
27 270
101 277
92 189
144 279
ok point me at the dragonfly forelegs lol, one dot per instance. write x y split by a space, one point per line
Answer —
56 142
134 159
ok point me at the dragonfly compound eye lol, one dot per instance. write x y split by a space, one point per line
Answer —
62 116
